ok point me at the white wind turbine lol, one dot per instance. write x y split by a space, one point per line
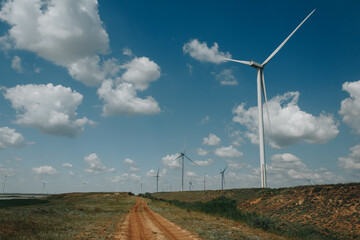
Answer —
261 88
222 172
157 180
183 155
4 183
44 183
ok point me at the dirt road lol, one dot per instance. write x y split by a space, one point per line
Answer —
143 223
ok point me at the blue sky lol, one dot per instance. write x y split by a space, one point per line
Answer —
105 93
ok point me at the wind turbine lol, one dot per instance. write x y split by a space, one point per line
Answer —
141 183
183 155
261 88
222 172
84 186
190 184
204 182
44 183
4 183
157 180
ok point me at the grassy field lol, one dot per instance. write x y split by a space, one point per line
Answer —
207 226
302 212
64 216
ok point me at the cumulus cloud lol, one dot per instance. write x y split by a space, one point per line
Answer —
228 152
350 107
235 165
141 72
212 140
16 64
95 165
44 170
204 163
289 169
289 125
134 169
10 138
352 161
201 52
67 165
48 108
190 174
202 152
122 99
127 51
171 161
128 161
62 31
226 77
151 173
120 178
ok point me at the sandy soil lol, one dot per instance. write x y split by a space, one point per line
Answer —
143 223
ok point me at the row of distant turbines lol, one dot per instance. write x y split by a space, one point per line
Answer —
261 92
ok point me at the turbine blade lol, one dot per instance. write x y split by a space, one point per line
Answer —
191 160
178 157
264 92
238 61
283 43
225 168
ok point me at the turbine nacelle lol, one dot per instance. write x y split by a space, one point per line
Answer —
255 64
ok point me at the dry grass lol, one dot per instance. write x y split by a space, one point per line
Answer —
66 216
206 226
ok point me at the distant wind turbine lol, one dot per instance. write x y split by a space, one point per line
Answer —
44 183
204 182
141 183
84 186
222 172
183 155
4 183
261 88
190 184
309 180
157 180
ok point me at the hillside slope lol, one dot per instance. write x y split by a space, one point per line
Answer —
334 209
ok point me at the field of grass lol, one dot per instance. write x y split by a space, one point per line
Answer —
207 226
64 216
302 212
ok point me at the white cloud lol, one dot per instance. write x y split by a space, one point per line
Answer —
287 169
95 165
123 100
134 169
201 152
10 138
204 163
67 165
238 139
71 173
228 152
127 52
212 140
151 173
203 53
205 119
235 165
289 125
171 161
163 172
350 107
62 31
226 77
128 161
190 67
44 170
352 161
120 178
190 174
7 171
141 72
16 64
51 109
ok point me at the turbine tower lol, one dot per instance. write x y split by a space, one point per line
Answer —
4 183
141 183
157 180
261 88
44 183
190 184
183 155
222 172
